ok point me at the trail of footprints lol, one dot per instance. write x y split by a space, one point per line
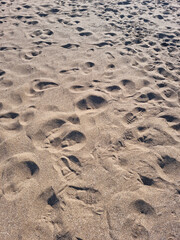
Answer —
60 133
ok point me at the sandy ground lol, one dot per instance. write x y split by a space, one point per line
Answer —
89 120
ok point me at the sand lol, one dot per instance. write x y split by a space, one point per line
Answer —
89 120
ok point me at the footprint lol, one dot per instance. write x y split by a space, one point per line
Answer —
42 44
70 46
74 119
170 166
87 195
27 116
128 85
65 236
111 34
91 102
49 197
1 106
6 83
89 64
36 33
134 115
32 167
111 66
65 140
86 34
54 10
130 118
113 88
78 88
71 163
102 44
26 6
163 72
43 127
155 137
38 86
75 160
2 73
143 207
30 54
32 22
16 172
1 33
10 121
43 84
52 124
79 29
69 71
169 118
147 181
40 227
148 96
176 126
135 230
72 138
65 22
87 67
42 14
169 94
9 115
110 56
128 135
133 210
48 32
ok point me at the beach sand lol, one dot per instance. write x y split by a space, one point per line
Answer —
89 120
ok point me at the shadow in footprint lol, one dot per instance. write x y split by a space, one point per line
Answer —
85 34
43 85
68 71
143 207
146 180
89 64
75 160
10 115
49 197
80 29
113 88
169 118
2 73
52 200
70 46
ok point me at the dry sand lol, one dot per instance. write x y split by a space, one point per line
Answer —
89 120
